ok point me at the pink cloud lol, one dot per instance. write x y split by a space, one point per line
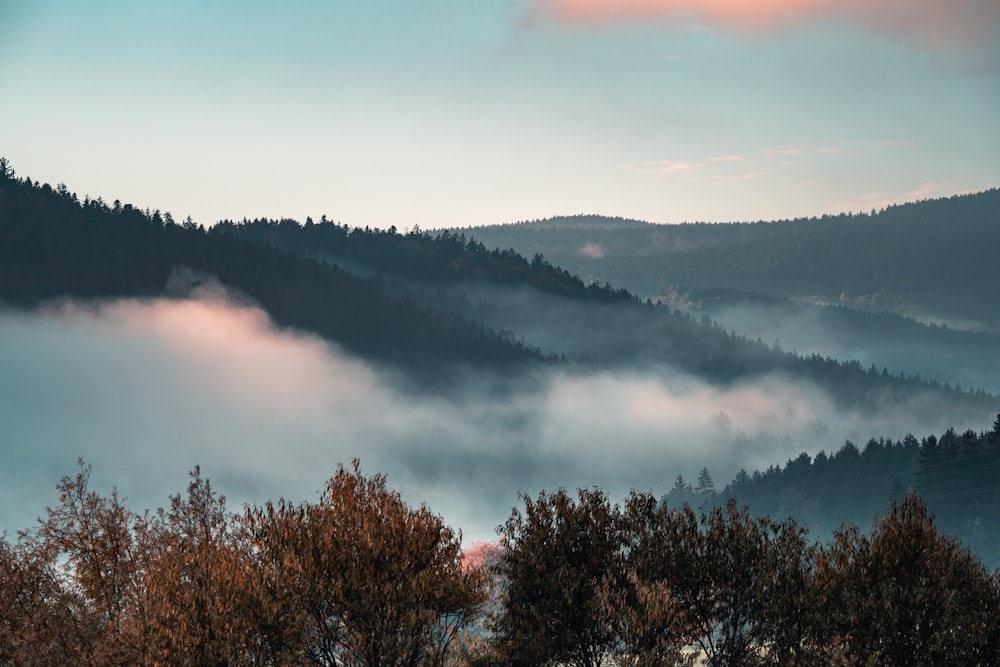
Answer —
745 176
934 21
827 151
925 191
663 167
726 158
781 151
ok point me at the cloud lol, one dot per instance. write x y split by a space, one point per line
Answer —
592 250
881 200
726 158
669 166
924 191
146 390
930 21
827 151
661 167
781 151
744 176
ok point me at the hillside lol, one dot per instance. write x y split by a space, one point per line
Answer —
931 259
428 301
592 326
54 246
955 473
893 341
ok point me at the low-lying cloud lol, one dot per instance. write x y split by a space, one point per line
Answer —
146 390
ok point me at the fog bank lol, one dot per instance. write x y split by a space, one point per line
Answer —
146 390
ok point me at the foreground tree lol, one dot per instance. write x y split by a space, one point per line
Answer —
559 560
201 599
655 624
907 595
93 545
717 565
41 622
361 579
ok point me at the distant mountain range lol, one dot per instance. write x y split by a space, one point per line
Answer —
935 260
415 301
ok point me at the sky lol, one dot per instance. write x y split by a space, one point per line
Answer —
468 112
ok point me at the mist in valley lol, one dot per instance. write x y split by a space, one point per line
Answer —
147 389
941 352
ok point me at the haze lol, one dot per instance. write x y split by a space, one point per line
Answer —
146 390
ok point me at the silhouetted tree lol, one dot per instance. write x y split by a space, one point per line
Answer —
362 579
907 595
560 555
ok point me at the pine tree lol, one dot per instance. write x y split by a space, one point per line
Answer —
705 484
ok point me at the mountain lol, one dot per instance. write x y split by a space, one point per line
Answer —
592 326
893 341
934 259
427 301
53 246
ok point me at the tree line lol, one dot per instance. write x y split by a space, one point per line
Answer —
418 255
955 474
360 578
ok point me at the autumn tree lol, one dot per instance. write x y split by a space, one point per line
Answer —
654 623
41 622
785 607
92 540
560 556
361 579
718 569
907 595
200 595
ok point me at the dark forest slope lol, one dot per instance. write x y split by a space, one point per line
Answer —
955 473
418 256
935 257
590 325
52 246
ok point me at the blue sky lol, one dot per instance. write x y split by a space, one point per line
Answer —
447 112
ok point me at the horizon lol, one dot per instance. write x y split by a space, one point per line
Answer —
558 216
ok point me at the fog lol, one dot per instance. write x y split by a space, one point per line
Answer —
146 390
941 352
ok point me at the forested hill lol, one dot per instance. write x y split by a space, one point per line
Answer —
418 255
560 314
53 245
954 473
936 256
456 302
